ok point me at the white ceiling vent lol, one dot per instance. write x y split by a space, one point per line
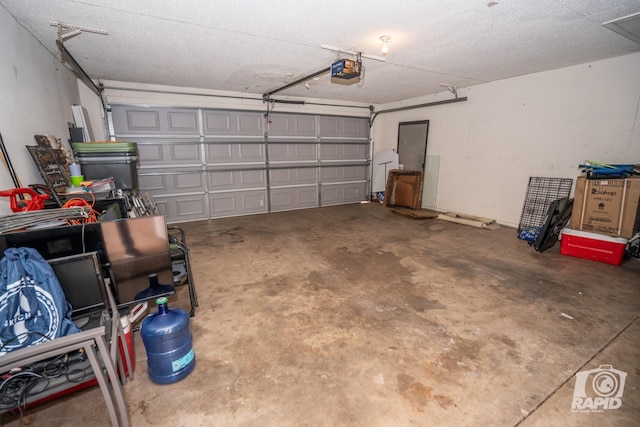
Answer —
628 26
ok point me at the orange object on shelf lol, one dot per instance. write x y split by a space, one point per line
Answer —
76 201
34 201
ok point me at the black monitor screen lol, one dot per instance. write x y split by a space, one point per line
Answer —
81 282
59 246
58 241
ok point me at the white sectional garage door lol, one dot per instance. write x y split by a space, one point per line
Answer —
203 163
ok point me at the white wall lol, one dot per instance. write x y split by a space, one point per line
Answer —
94 114
543 124
36 94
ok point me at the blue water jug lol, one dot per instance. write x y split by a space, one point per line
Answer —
167 338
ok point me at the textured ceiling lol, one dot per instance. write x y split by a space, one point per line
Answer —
254 46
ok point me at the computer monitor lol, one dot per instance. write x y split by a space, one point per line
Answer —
137 248
58 241
80 277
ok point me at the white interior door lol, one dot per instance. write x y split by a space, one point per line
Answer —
412 155
412 144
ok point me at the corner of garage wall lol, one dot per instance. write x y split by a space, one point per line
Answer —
93 108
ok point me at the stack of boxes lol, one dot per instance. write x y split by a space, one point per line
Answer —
606 214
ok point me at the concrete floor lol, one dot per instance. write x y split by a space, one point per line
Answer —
356 316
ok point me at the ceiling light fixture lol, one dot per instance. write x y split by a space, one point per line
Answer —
385 44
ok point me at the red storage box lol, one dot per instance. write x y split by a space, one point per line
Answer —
592 246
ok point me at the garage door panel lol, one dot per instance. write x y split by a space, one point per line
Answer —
238 203
131 120
143 121
150 153
331 126
182 208
184 122
328 174
179 182
336 194
344 127
307 175
169 153
330 195
184 153
344 151
161 204
250 123
188 181
251 152
343 173
232 123
291 198
354 172
239 179
190 206
281 199
356 128
291 125
219 153
153 183
308 196
216 123
292 152
293 176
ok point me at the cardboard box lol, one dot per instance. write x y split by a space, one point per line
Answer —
404 189
607 206
593 246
